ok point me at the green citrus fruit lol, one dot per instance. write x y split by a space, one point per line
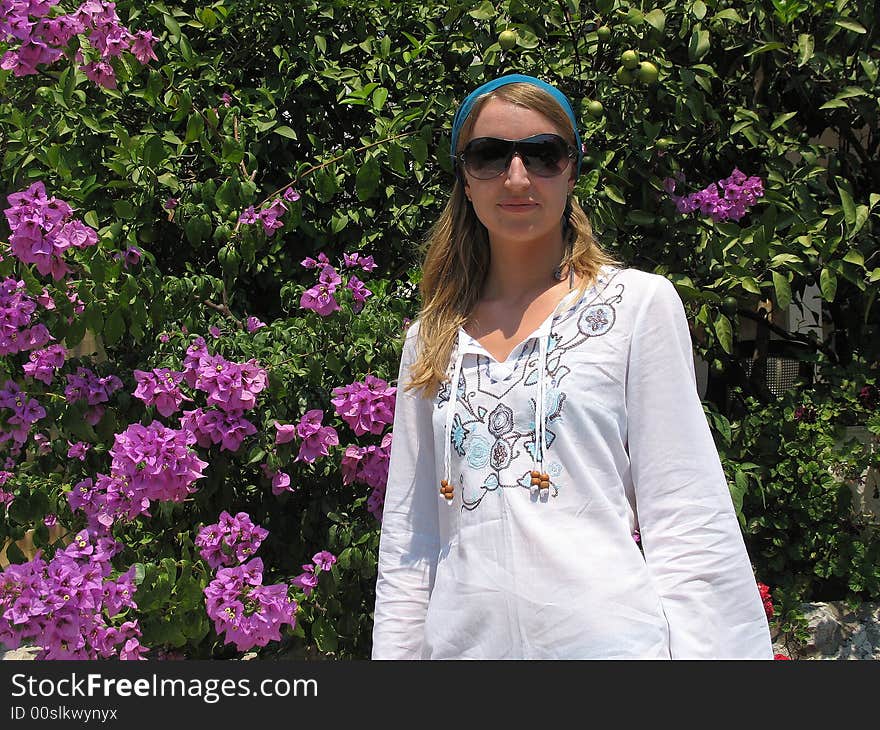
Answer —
595 109
624 75
630 59
507 39
604 33
648 73
729 306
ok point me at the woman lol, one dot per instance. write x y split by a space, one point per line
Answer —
547 415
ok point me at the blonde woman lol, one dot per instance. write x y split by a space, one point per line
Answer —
554 491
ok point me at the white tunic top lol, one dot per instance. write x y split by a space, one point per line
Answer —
506 570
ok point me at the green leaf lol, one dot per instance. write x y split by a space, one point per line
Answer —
91 219
783 290
834 104
485 11
367 179
728 14
114 327
849 208
154 151
699 44
806 46
656 19
828 284
380 96
750 285
123 209
285 131
850 24
171 24
699 9
874 276
614 194
724 332
194 128
774 46
321 43
396 158
324 634
782 119
855 257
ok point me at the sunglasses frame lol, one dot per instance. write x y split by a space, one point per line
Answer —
570 153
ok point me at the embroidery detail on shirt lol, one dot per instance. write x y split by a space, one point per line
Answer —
492 437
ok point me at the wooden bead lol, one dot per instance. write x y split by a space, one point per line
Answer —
545 484
535 480
535 474
444 483
448 495
545 477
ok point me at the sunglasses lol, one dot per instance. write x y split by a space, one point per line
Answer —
544 155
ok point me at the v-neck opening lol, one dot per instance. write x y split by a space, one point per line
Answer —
543 325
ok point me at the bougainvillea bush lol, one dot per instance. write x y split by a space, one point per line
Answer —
212 215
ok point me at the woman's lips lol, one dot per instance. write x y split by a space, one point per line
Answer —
517 206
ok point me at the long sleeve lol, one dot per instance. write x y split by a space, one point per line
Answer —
692 541
409 541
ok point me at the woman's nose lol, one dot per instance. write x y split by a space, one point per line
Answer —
516 171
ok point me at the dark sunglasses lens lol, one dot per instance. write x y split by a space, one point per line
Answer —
545 155
486 157
545 158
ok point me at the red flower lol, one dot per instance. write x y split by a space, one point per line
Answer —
781 656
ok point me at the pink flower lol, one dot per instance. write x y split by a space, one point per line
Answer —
324 559
284 433
281 483
78 450
253 324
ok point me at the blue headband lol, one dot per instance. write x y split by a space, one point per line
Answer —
465 109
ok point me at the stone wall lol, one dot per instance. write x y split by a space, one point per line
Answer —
837 632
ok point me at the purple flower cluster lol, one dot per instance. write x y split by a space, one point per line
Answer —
316 438
369 465
70 606
107 499
211 426
160 388
42 230
308 579
25 412
149 463
320 298
86 385
270 215
728 199
157 461
42 364
247 612
42 39
16 308
367 407
231 541
231 387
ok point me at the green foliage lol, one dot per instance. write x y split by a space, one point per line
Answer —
350 103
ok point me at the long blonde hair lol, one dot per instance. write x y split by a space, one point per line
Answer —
456 252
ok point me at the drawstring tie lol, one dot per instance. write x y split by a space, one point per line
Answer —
446 489
540 478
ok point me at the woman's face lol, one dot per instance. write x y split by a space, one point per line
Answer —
517 206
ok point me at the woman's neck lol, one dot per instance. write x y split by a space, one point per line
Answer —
521 271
